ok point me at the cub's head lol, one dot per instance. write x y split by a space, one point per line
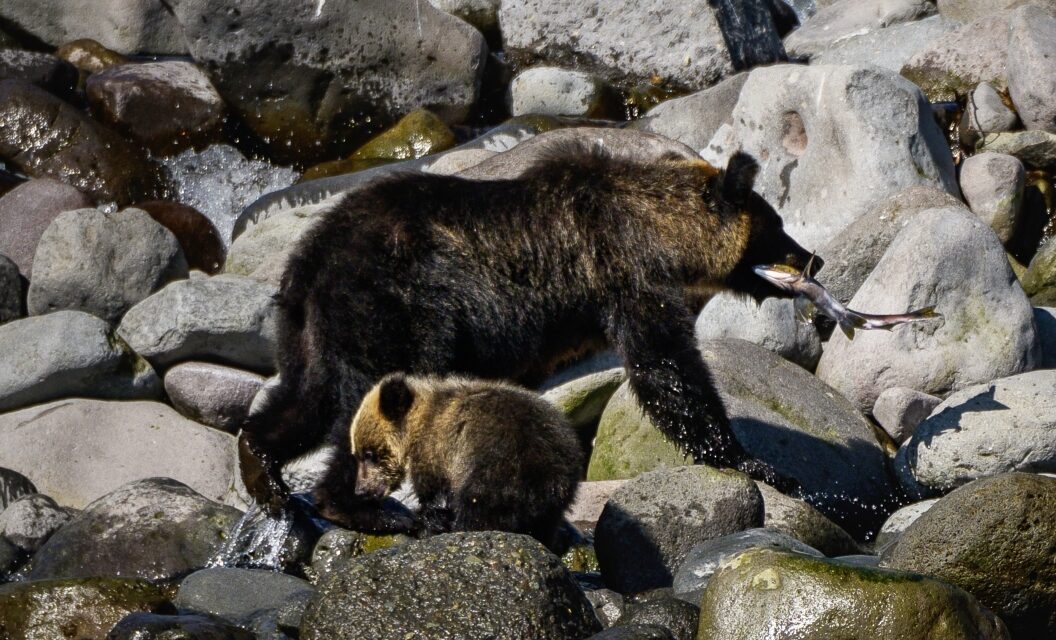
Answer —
377 437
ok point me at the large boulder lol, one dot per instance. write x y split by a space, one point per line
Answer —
118 442
1031 72
832 141
849 18
212 394
492 585
798 596
968 10
1036 149
12 291
29 521
69 353
238 594
962 58
315 79
693 119
995 538
987 326
688 46
262 250
225 319
101 263
43 136
1005 425
799 520
155 529
771 324
127 26
25 213
890 47
993 184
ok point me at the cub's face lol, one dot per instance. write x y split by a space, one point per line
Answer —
376 438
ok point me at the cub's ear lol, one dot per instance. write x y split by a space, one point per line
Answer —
738 178
395 397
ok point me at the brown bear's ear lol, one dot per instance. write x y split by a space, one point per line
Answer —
739 178
395 397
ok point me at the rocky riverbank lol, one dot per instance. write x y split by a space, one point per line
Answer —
159 160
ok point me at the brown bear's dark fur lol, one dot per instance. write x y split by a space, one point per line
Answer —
481 455
503 279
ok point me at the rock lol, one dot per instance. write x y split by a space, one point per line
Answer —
635 632
986 330
322 83
155 529
27 210
482 14
583 400
899 521
961 59
45 137
1005 425
628 43
968 10
461 585
693 119
793 595
220 182
677 616
126 26
89 56
590 502
846 19
1045 318
837 149
10 556
704 559
262 250
78 608
211 394
198 238
984 114
151 626
69 353
1031 69
608 606
225 319
780 414
799 520
48 72
29 521
237 594
129 97
993 183
555 91
899 410
994 539
13 485
890 47
650 524
457 161
1035 149
12 293
121 442
337 546
102 264
771 325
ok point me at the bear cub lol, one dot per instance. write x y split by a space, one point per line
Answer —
481 455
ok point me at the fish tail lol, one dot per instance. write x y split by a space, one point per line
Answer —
926 312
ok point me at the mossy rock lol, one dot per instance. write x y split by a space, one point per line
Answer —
1039 282
797 596
89 56
74 608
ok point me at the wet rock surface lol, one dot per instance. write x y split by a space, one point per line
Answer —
237 595
25 213
44 70
150 626
665 611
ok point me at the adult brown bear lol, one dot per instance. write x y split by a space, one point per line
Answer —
429 274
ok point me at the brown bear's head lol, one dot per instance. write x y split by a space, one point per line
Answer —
377 437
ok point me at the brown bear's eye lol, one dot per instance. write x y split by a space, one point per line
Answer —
369 455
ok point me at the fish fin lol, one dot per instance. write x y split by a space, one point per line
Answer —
926 312
804 310
849 323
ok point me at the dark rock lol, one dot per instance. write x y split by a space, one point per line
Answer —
155 529
130 98
44 70
679 617
337 546
29 521
152 626
995 538
27 210
608 605
634 632
237 594
464 585
198 237
43 136
10 556
12 291
13 485
1045 317
897 523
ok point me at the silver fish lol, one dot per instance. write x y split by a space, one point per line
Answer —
812 297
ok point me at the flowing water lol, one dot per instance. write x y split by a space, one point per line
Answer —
257 540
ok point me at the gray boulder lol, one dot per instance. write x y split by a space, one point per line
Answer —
899 410
328 73
1036 149
12 306
153 626
986 330
13 485
846 19
1045 318
69 353
996 539
29 521
126 26
1005 425
797 519
900 520
651 523
591 497
968 10
155 529
226 319
1031 72
890 47
119 442
212 394
627 43
771 324
261 251
101 263
239 594
961 59
477 585
984 114
993 183
583 399
557 92
482 14
27 210
693 119
832 147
